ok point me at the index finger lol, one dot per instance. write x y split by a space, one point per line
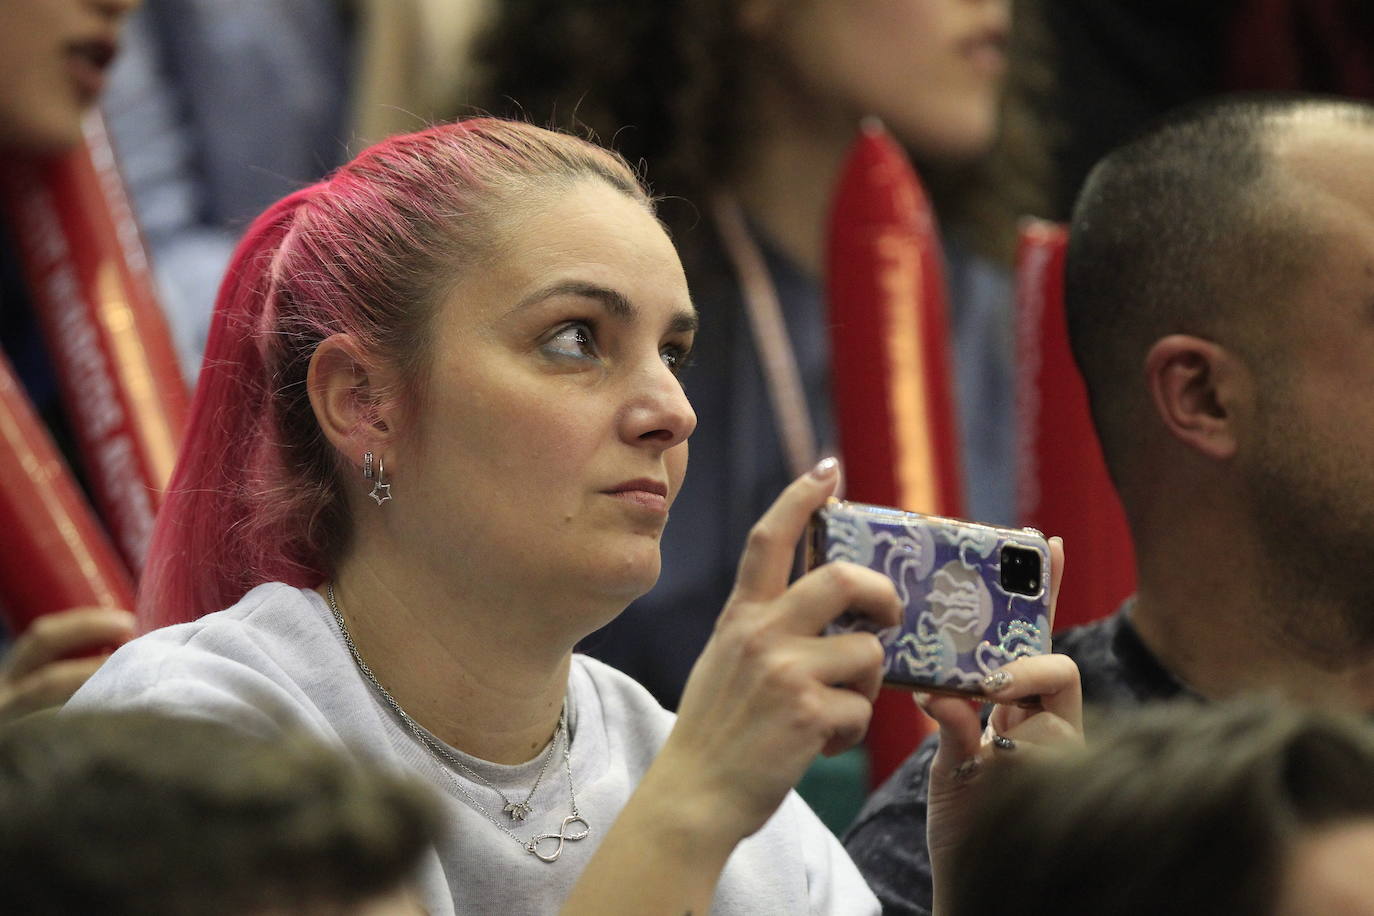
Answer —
1052 679
766 563
56 636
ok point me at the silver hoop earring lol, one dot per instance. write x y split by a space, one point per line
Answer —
381 492
367 465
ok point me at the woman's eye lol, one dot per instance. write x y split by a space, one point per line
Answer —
676 358
574 341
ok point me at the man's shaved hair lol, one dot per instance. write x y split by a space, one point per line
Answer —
1188 229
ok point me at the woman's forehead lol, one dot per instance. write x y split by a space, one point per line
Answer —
588 235
590 230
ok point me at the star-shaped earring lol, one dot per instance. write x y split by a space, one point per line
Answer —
381 492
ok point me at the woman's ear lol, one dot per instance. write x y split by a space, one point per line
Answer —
1201 392
347 399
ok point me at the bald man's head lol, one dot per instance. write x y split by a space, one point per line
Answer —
1205 225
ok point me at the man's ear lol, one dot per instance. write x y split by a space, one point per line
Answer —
346 398
1200 391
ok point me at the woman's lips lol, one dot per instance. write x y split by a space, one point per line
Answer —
987 51
646 494
88 63
651 501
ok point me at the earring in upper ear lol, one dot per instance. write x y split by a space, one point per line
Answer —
381 492
367 465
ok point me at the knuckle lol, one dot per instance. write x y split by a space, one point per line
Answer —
1060 729
762 537
808 711
42 636
729 614
854 724
873 653
41 631
844 577
756 645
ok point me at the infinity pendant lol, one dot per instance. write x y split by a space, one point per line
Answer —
561 836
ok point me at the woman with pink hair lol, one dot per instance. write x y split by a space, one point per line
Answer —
434 444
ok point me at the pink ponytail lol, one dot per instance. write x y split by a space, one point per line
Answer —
207 488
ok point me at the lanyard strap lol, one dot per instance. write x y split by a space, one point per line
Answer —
776 355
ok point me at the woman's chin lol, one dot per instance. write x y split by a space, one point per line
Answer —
633 578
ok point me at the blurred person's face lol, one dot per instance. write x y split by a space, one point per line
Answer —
54 56
1331 871
932 70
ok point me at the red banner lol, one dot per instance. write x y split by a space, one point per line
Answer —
54 554
892 383
92 291
1063 486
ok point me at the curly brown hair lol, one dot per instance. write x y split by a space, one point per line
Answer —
659 81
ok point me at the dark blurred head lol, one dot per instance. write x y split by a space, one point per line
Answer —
54 55
1245 808
137 814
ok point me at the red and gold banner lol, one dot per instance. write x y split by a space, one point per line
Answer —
892 383
54 554
1063 486
92 291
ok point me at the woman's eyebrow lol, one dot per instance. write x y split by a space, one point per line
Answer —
613 301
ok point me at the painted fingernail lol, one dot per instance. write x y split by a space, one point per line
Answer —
996 682
1002 742
967 770
826 468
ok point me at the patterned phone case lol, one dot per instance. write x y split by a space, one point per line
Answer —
960 624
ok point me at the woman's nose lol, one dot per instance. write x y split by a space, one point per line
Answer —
659 412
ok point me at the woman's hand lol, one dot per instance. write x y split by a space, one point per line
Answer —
1039 709
769 692
39 672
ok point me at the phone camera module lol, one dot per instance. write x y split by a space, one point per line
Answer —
1020 572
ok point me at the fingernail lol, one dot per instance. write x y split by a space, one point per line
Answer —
996 682
826 468
922 699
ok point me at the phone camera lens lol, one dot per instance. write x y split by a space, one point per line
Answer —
1020 570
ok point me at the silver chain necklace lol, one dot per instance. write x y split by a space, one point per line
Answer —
517 811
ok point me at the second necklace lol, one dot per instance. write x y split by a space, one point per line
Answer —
546 847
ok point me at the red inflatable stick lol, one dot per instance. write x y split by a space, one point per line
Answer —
892 384
53 553
1062 485
92 291
890 335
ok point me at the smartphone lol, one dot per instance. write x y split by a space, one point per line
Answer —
976 597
